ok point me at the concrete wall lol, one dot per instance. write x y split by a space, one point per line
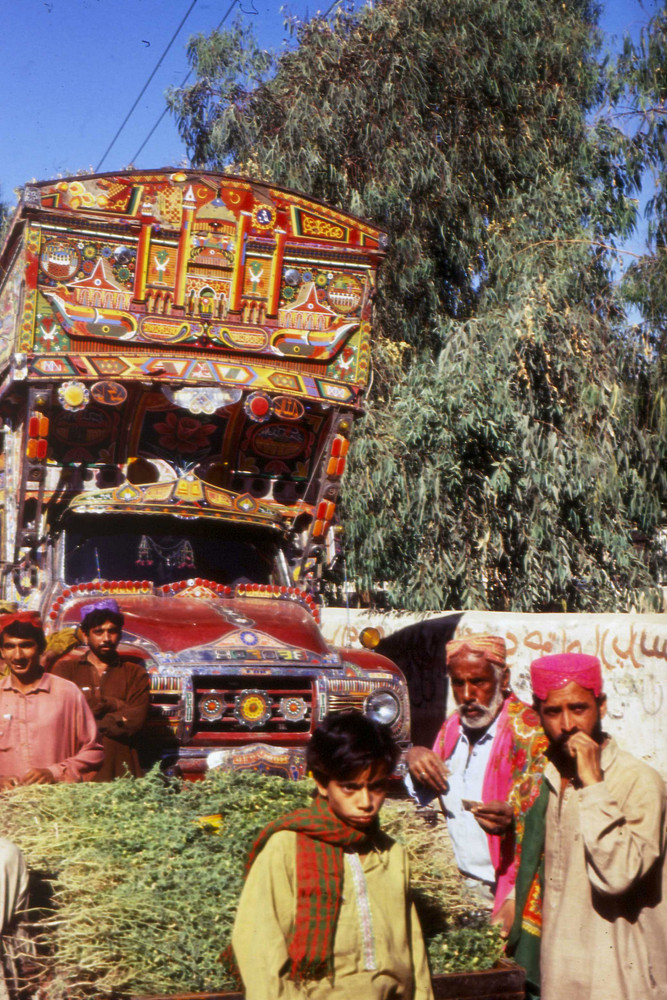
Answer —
632 649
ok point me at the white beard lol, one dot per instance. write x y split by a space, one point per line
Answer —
488 712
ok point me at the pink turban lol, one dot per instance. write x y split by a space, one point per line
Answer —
550 673
492 646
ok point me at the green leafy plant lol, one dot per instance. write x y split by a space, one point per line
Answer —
466 949
144 877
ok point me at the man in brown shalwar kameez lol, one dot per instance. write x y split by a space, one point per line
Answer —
116 687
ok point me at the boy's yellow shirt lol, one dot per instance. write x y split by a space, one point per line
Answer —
377 926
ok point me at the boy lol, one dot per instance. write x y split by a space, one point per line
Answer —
326 911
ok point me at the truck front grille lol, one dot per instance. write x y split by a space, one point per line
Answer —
245 706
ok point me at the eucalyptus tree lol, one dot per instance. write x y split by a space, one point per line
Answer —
639 104
495 467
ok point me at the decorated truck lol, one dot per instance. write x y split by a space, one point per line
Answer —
182 358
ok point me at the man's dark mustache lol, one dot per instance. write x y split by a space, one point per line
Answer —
561 740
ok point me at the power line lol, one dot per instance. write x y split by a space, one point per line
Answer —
328 11
146 85
183 83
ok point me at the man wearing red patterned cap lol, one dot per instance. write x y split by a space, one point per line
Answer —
484 766
47 731
600 820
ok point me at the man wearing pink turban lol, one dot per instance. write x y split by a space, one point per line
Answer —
594 850
483 765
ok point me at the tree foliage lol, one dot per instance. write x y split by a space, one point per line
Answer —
5 217
496 466
640 107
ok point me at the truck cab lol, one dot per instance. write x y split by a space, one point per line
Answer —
182 359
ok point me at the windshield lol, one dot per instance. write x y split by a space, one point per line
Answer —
165 550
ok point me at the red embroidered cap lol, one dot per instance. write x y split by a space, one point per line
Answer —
27 617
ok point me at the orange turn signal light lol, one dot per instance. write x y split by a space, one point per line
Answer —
369 637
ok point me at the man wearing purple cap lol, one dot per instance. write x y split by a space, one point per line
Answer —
601 816
117 688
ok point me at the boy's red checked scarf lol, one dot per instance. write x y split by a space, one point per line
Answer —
319 882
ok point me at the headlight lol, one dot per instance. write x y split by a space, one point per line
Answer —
382 706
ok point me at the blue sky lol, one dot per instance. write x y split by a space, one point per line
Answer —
71 70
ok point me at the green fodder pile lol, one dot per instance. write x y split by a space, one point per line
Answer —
144 891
